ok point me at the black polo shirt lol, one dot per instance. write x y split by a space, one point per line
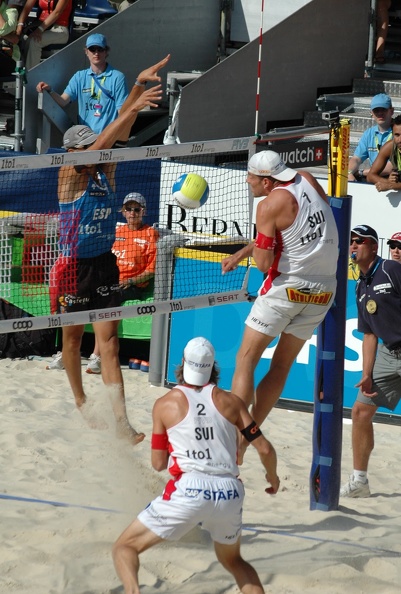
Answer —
378 298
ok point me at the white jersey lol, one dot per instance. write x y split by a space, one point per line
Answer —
308 248
204 440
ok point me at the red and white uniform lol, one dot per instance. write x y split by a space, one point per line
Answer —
206 490
309 247
204 440
300 285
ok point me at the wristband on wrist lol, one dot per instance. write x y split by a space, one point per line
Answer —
139 84
20 24
41 28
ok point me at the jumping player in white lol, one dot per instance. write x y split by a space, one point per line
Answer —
297 246
195 436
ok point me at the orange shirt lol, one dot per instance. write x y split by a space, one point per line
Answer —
135 251
47 8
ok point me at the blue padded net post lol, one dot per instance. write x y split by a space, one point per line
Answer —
329 379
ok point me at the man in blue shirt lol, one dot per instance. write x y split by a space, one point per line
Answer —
373 138
100 89
378 298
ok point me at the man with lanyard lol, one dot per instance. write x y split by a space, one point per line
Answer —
373 138
390 151
100 89
378 298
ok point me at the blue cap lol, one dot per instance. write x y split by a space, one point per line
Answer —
96 39
381 100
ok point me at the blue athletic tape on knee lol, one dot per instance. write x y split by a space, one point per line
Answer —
264 243
159 441
251 432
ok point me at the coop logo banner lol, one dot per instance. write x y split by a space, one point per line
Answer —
303 154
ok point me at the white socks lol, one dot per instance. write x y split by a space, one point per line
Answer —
361 476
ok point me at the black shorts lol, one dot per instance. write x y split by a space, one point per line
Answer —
97 281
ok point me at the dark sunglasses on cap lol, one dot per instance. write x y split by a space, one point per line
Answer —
357 240
132 208
96 48
394 244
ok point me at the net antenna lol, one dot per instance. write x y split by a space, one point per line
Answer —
262 10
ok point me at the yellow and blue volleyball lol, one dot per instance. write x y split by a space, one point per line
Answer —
190 190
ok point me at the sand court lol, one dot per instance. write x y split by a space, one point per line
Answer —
67 492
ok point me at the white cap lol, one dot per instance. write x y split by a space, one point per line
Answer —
269 163
198 361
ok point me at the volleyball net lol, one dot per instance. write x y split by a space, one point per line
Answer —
36 239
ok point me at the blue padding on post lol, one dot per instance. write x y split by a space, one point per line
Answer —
327 355
323 460
336 202
320 507
324 408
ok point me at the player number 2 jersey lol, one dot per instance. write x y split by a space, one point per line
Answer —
204 440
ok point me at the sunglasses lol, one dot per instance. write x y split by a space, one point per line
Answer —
96 48
133 209
357 240
394 244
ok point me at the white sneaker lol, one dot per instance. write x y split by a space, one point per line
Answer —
57 362
94 365
355 488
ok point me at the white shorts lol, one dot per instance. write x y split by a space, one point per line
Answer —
215 502
292 305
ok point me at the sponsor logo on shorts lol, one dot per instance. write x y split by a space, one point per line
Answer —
193 493
259 322
208 495
309 296
104 291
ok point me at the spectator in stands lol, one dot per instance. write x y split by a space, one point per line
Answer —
373 138
382 23
10 52
394 244
391 151
87 194
54 20
107 86
17 4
